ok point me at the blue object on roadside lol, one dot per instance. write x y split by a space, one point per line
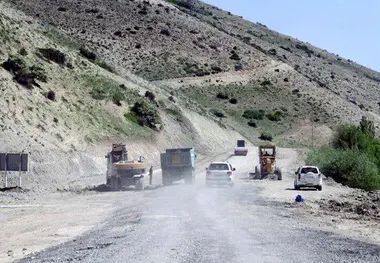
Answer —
299 199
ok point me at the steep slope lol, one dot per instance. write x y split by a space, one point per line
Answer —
66 110
161 40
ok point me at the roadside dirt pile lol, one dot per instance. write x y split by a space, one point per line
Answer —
354 206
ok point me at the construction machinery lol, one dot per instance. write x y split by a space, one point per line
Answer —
241 149
177 164
267 167
122 172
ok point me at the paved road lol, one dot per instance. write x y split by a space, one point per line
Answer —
184 223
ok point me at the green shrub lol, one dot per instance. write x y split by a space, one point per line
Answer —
222 96
106 89
275 116
254 114
150 95
353 168
14 64
104 65
265 83
183 3
24 75
233 101
50 95
354 159
235 56
266 137
147 112
38 72
252 123
117 98
216 69
53 55
218 113
87 54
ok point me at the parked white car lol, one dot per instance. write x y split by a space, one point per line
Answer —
308 176
220 173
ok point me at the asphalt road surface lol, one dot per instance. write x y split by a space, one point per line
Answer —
192 223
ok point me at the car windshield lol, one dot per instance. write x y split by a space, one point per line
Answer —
306 170
218 166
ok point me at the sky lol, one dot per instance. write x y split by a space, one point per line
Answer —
349 28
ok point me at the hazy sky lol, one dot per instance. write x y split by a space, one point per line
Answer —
349 28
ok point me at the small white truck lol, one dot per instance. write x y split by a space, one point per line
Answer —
241 149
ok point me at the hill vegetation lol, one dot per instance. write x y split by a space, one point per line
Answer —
354 157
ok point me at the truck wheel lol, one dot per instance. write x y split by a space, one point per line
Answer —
189 180
297 187
258 172
278 173
140 184
115 186
167 180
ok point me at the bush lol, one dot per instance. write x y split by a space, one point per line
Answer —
272 52
150 95
265 83
38 73
235 56
266 137
354 159
165 32
233 101
53 55
51 95
216 69
22 74
171 98
275 116
117 98
147 113
87 54
14 64
218 113
104 65
252 123
353 168
188 4
222 96
254 114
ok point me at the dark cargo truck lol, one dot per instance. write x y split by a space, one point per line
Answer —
177 164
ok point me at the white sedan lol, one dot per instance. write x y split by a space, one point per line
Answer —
308 176
219 173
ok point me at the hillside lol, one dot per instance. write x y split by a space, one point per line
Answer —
206 67
158 40
65 110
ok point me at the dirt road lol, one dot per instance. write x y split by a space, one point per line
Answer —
183 223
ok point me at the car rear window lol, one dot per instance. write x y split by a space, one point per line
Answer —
306 170
218 166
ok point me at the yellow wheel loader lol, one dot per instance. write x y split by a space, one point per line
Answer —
267 167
